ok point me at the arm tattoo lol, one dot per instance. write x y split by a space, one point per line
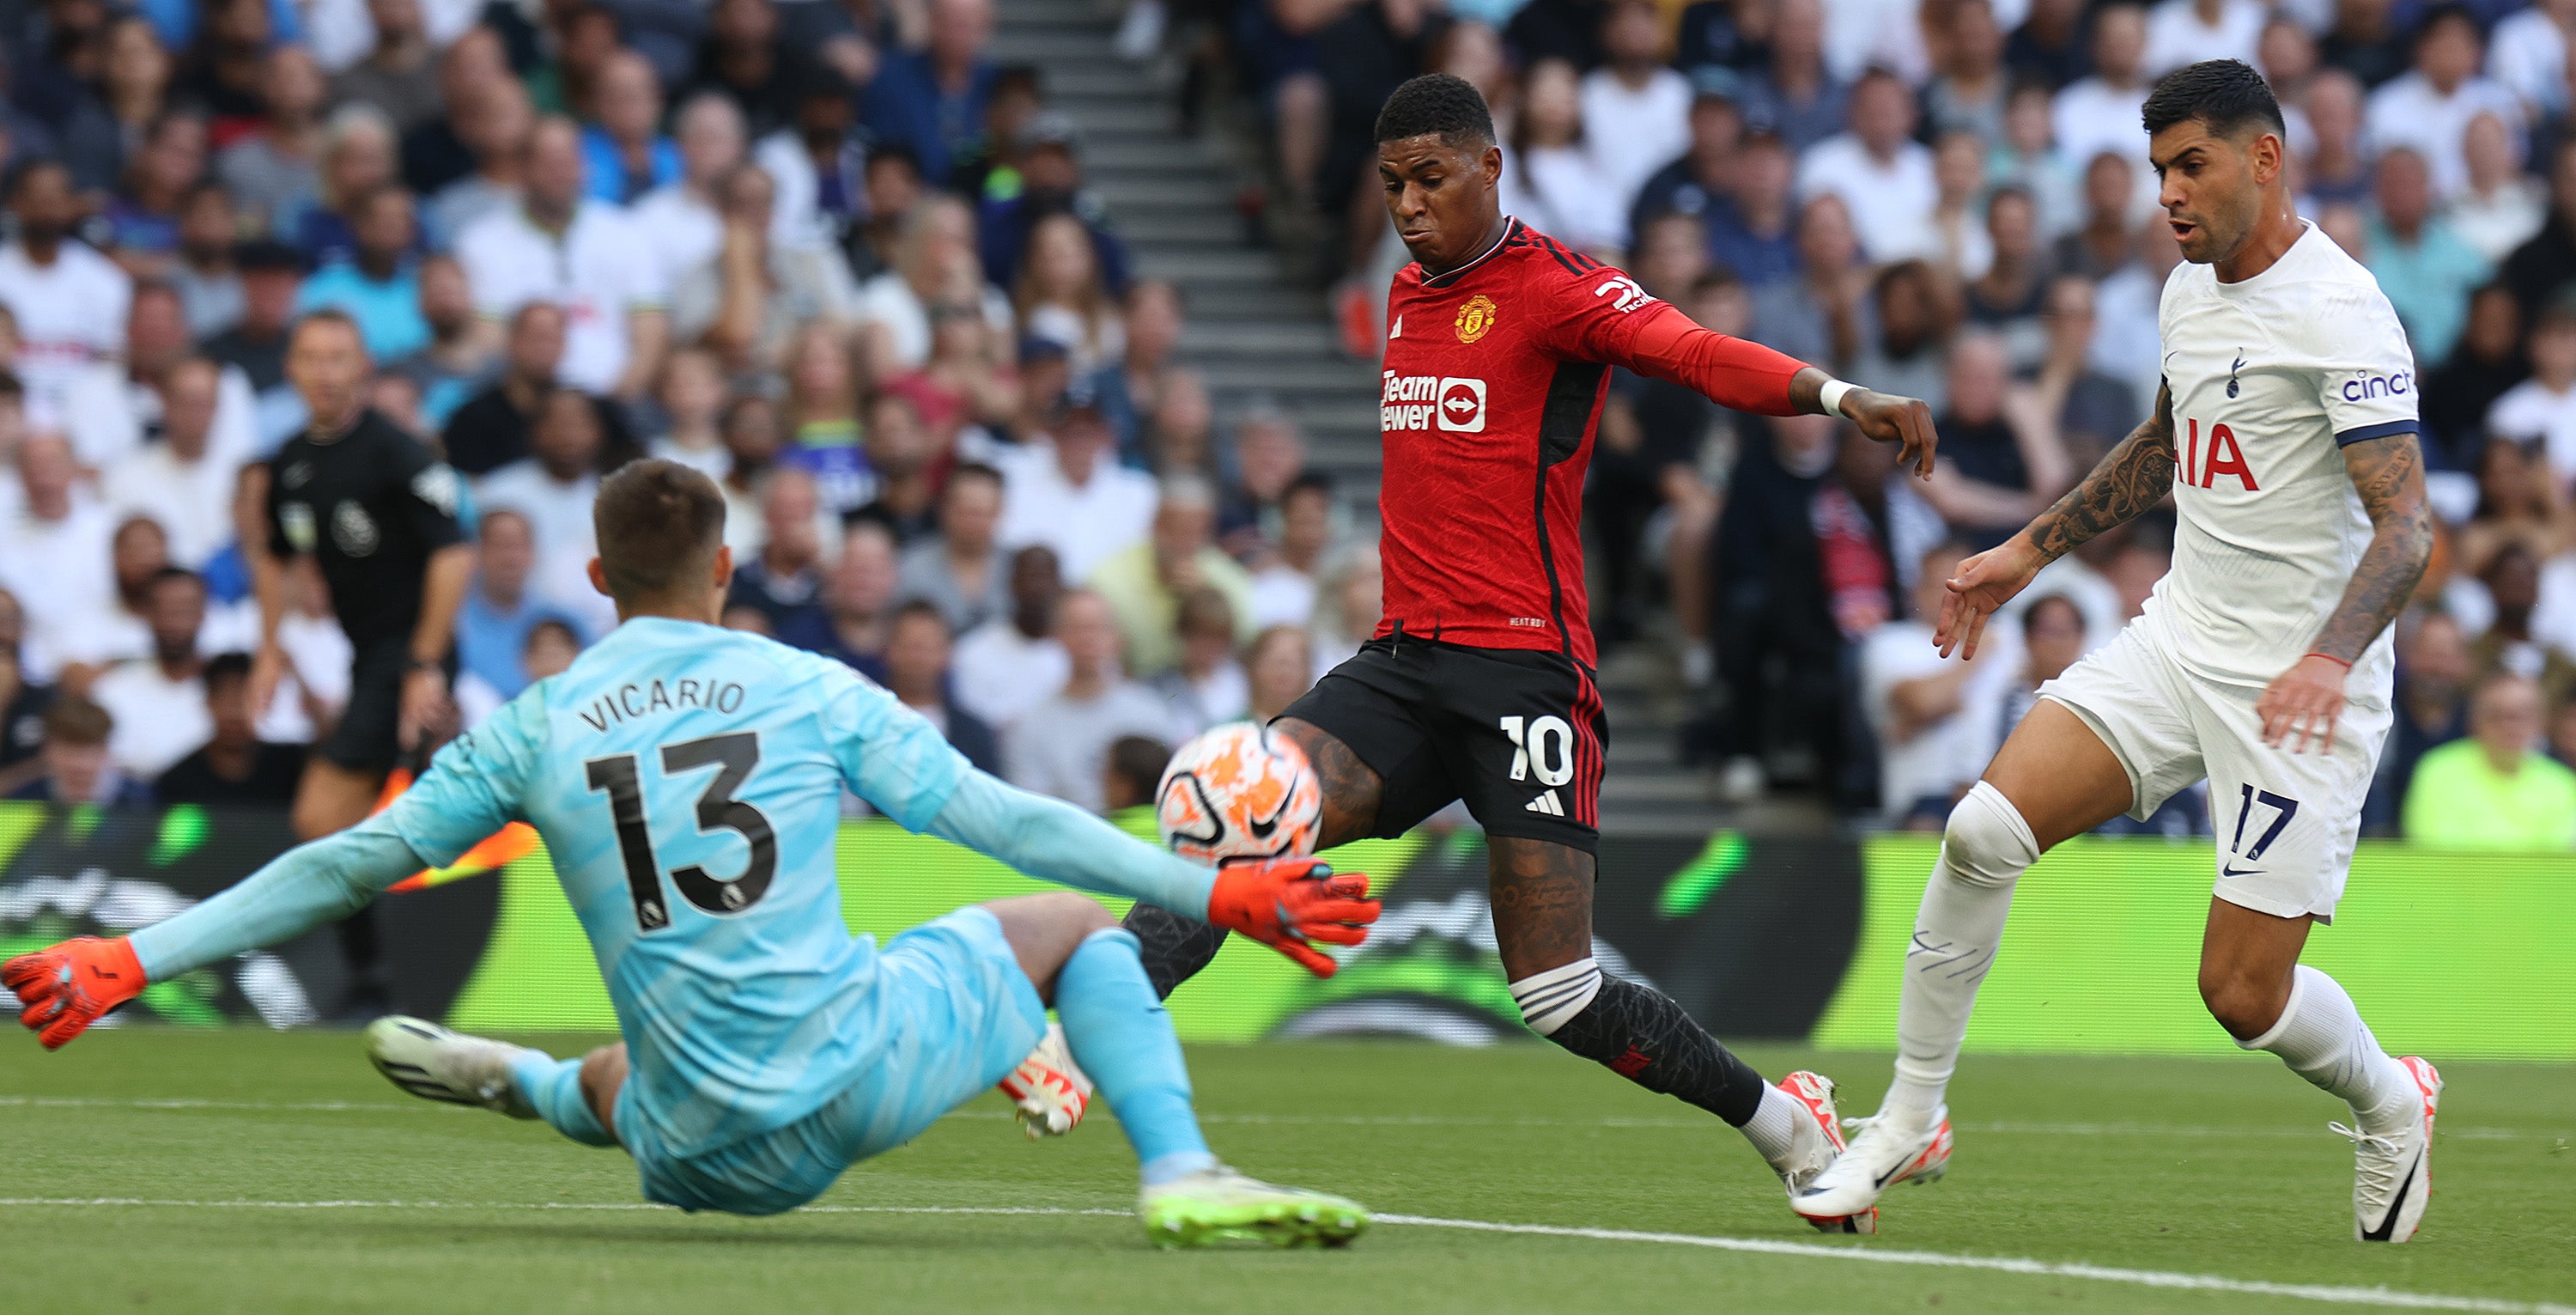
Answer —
2135 475
2389 475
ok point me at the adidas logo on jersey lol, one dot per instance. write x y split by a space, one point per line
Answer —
1546 803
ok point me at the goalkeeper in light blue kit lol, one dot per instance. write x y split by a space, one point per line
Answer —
687 780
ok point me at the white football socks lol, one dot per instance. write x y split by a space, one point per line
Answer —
1773 1129
2321 1037
1984 851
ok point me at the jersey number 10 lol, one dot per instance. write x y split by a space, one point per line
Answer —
735 755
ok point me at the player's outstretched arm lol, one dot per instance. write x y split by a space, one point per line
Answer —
64 988
2132 477
1658 340
1283 903
2305 700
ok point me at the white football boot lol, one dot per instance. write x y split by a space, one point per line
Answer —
1049 1089
434 1063
1884 1151
1819 1143
2392 1173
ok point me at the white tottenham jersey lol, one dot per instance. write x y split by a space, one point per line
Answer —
2271 377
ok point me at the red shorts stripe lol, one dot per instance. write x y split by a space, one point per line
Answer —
1588 755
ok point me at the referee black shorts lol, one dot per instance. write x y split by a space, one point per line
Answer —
369 736
1516 733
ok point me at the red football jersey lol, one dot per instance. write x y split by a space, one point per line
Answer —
1488 398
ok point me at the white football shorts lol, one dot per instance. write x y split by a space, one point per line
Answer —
2286 822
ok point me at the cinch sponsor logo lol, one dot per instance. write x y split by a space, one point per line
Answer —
1422 401
2379 385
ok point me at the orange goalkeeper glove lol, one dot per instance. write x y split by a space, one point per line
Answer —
1288 903
66 987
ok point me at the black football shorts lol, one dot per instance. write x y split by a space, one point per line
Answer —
369 736
1516 733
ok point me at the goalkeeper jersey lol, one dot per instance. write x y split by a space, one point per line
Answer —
687 781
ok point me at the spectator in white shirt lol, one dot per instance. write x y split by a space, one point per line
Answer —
1284 581
2126 346
2528 54
1884 177
692 395
1636 109
2429 106
2188 31
1059 746
935 263
109 406
2501 206
54 555
178 480
1066 490
2100 113
159 701
1554 181
1922 707
2542 408
554 487
1204 685
679 218
68 300
1013 662
583 254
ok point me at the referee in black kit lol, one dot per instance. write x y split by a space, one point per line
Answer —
376 510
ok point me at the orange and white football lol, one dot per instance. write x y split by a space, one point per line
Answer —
1239 791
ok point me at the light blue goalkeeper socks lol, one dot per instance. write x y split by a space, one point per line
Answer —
552 1087
1123 1039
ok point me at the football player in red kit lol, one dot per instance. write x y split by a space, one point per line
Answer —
1478 683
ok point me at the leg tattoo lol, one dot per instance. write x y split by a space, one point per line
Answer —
1542 896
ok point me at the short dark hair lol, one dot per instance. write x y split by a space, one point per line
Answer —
1437 103
167 574
1141 761
226 666
2450 12
966 470
658 523
1313 481
2226 95
921 609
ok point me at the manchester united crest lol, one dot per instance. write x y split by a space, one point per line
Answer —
1476 318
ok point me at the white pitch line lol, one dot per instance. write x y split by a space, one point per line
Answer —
1296 1120
2150 1278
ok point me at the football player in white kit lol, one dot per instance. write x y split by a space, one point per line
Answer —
2285 431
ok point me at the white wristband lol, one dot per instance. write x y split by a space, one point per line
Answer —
1832 394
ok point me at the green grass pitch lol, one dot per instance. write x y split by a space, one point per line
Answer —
2158 1167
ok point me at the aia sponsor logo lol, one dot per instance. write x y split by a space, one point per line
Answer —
2202 466
1422 401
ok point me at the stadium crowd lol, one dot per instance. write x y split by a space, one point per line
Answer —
840 258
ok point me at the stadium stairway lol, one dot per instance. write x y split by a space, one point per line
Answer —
1261 335
1256 335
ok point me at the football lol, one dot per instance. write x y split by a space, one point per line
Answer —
1239 791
